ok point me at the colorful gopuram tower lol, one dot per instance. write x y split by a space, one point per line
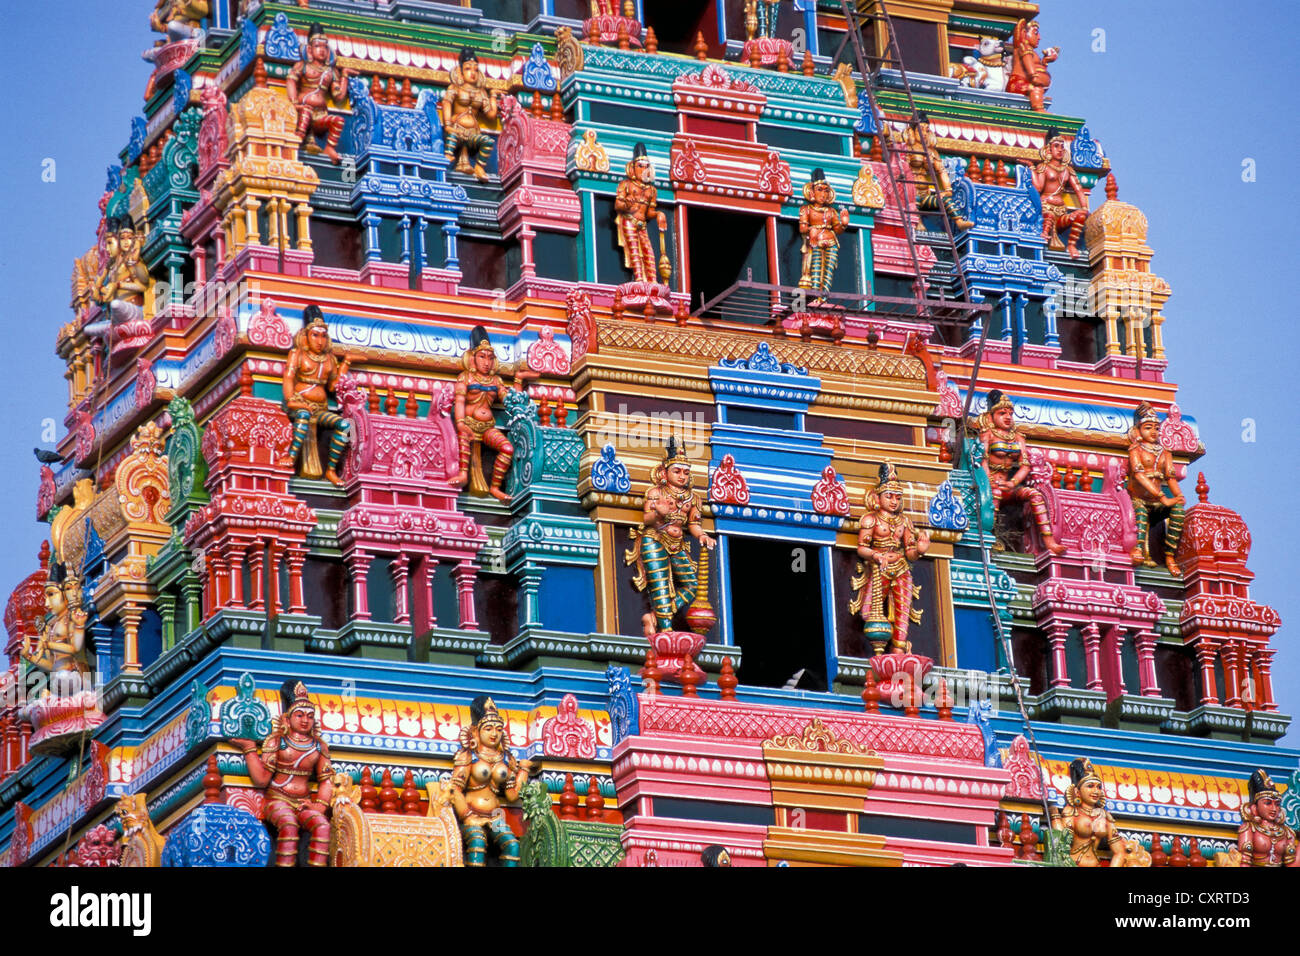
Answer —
565 433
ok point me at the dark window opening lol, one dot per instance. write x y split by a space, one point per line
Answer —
1076 662
381 596
859 429
784 137
752 814
762 418
911 828
609 114
485 264
1082 340
496 604
573 9
789 255
1178 675
337 245
555 256
725 248
509 10
676 23
778 640
1030 650
918 44
325 588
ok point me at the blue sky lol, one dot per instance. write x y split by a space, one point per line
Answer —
1180 97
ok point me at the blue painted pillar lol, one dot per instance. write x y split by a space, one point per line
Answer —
1050 306
406 240
372 237
724 590
1022 331
1004 304
450 230
828 614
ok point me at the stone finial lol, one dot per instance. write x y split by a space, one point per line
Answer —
410 796
650 673
1112 188
727 681
259 73
212 782
624 40
755 57
689 677
595 800
701 48
807 66
44 556
782 61
245 382
557 108
568 799
1158 857
390 403
871 693
1202 488
651 41
411 408
369 802
388 796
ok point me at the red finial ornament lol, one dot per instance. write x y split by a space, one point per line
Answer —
680 313
259 73
376 89
782 61
245 381
701 48
408 100
617 308
212 782
755 57
1028 841
808 66
595 800
1177 857
1158 857
1194 858
44 556
651 41
871 694
568 799
1005 837
412 407
943 701
388 796
1202 488
624 41
557 108
1112 187
369 795
650 673
410 796
727 681
390 403
689 677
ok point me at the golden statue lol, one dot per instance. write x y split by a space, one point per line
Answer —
124 282
485 776
883 588
468 108
1153 489
61 642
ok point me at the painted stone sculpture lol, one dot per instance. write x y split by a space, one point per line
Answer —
177 20
310 377
485 776
761 17
125 281
882 586
1264 839
920 144
314 86
820 224
659 552
1054 178
1086 820
1029 74
1006 462
468 108
1153 489
477 388
635 204
289 760
60 649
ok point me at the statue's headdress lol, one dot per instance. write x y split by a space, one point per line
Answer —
294 696
483 712
638 153
312 316
818 176
715 855
673 454
1081 770
1145 413
887 480
314 31
1259 784
466 54
479 342
996 400
57 574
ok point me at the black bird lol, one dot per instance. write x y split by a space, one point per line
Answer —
47 457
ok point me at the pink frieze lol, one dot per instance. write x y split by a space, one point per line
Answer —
268 329
1026 776
829 495
580 325
546 355
889 247
568 735
1176 434
727 486
1097 528
532 155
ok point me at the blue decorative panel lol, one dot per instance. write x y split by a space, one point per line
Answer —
247 42
245 716
981 715
537 72
281 42
610 474
568 599
182 84
624 710
139 129
1086 152
763 361
945 511
214 834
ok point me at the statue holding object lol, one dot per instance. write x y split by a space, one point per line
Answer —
124 282
477 388
820 224
1153 489
635 204
60 649
288 761
659 550
314 85
1264 839
310 376
882 584
468 108
177 20
919 144
486 776
1006 462
1054 179
1029 74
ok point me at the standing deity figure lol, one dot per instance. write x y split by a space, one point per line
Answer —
310 376
1264 839
313 84
61 635
1153 489
1054 178
820 224
468 108
1029 74
882 585
486 776
289 759
635 204
919 144
659 550
177 20
477 388
124 282
1006 462
1087 821
761 17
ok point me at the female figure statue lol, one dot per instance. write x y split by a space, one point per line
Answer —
485 776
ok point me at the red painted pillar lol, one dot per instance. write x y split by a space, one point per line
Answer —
296 557
1060 672
1146 653
1092 655
399 569
465 573
358 564
1206 651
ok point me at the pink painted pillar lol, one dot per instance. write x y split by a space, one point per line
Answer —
234 556
220 581
1092 655
527 267
1146 652
399 570
358 563
465 573
1231 655
1264 678
424 593
1206 651
1060 672
1113 662
256 561
297 557
271 581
